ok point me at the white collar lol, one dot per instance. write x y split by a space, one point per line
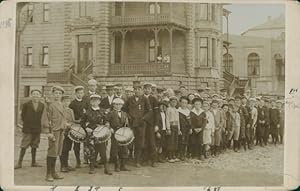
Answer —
79 99
195 111
146 95
185 112
110 96
95 108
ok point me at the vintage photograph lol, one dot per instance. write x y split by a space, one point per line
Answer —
149 94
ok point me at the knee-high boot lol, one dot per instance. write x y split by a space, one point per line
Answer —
49 177
33 158
53 170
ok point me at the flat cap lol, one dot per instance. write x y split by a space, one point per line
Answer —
77 88
173 98
35 90
118 101
92 82
252 99
147 84
109 86
95 96
58 88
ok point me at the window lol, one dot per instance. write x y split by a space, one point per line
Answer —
152 8
45 56
280 67
228 63
118 8
203 51
203 11
82 9
214 49
26 91
152 50
29 56
118 41
30 13
46 12
253 64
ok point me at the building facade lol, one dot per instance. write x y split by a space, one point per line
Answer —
259 56
169 44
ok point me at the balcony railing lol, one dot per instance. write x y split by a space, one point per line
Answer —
147 20
135 69
58 77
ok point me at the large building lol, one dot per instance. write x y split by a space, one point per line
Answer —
258 55
169 44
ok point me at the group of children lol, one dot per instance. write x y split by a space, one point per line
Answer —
166 127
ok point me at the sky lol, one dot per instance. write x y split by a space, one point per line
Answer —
245 16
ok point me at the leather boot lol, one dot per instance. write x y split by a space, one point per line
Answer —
33 157
123 165
92 168
63 167
106 171
77 155
117 165
54 173
49 177
21 156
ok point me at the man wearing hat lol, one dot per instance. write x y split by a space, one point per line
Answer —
262 122
118 119
119 92
201 92
106 103
92 86
247 94
137 107
90 120
151 119
32 112
55 129
161 133
245 126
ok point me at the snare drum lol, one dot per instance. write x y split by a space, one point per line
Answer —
77 133
101 134
124 136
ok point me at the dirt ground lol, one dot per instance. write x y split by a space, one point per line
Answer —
258 167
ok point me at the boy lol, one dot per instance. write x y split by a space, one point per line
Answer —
32 113
219 123
173 129
198 122
236 127
185 127
262 122
252 119
280 106
55 130
67 143
93 117
209 129
118 119
78 106
161 134
243 112
274 122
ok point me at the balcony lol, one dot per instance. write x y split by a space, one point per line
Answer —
147 20
58 77
139 69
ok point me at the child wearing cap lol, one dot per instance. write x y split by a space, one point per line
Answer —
173 129
67 143
118 119
209 129
198 122
185 127
78 105
274 122
90 120
161 134
219 121
32 112
57 124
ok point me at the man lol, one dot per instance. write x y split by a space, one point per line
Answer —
106 103
151 122
274 122
154 90
252 119
245 116
119 92
280 106
32 113
55 129
92 86
247 94
137 107
224 93
262 121
201 93
267 127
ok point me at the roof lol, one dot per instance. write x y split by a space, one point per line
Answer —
275 23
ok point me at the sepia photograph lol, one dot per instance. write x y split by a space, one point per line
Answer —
149 94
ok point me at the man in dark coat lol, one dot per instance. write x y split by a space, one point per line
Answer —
274 122
262 122
92 86
32 112
151 119
106 103
137 107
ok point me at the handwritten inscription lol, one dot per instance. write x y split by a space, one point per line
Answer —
5 23
292 101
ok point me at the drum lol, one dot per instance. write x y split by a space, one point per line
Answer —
124 136
77 133
102 134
